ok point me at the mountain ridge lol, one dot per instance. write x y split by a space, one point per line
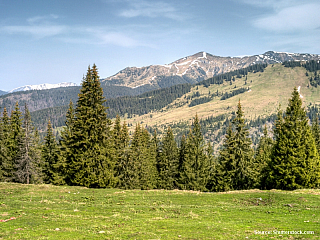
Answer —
43 86
196 67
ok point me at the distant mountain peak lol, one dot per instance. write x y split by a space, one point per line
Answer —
43 86
195 68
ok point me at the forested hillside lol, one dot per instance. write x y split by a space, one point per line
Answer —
57 97
96 152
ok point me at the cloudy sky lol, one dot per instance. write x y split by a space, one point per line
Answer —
55 41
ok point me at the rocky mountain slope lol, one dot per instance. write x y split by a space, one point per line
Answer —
196 68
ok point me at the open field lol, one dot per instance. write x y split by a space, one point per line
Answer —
53 212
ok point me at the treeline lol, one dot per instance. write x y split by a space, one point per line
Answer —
234 93
94 152
146 102
312 66
230 75
57 97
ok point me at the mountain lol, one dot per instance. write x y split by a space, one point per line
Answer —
43 86
2 92
195 68
261 88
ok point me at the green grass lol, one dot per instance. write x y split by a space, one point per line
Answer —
52 212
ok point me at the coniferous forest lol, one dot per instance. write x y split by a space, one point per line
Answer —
95 152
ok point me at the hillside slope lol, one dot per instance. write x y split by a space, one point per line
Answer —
260 93
195 68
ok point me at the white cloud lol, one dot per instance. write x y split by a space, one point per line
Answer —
152 9
39 27
291 19
35 31
42 19
276 4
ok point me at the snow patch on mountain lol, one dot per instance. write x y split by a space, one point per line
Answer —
43 86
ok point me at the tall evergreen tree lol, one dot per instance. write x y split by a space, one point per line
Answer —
50 156
226 168
121 146
64 147
91 162
295 161
263 157
244 175
316 132
148 165
6 161
236 168
16 131
168 162
27 159
194 175
212 169
142 173
129 178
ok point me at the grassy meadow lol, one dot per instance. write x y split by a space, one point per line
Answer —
64 212
270 88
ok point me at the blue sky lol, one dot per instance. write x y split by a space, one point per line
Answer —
55 41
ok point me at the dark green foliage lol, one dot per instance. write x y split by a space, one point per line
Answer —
228 76
295 162
121 146
315 80
199 101
50 156
6 161
291 64
234 93
90 160
168 161
263 158
212 168
312 65
224 173
194 166
316 132
27 159
235 169
144 103
142 171
65 147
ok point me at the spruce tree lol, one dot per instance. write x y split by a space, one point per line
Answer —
316 132
226 168
64 147
148 165
142 171
121 146
236 167
27 160
244 174
295 162
262 158
129 178
6 161
50 156
194 170
91 159
168 162
16 131
212 169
